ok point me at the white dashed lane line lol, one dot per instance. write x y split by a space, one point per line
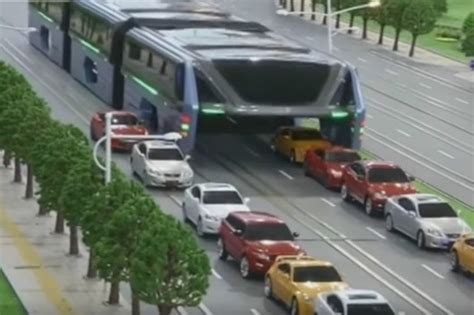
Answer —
216 274
426 86
328 202
432 271
252 152
181 311
361 59
370 116
391 72
406 134
376 233
204 309
254 311
446 154
286 174
460 100
176 200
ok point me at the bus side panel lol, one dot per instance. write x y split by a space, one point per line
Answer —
359 120
93 70
191 108
49 38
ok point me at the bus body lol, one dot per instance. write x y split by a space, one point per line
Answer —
51 19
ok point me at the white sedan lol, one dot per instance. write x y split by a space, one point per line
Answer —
161 164
206 205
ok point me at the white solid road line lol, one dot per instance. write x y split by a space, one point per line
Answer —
176 200
361 59
461 100
286 174
328 202
401 85
391 72
254 311
204 309
446 154
404 133
425 85
181 311
18 51
432 271
252 152
370 116
217 275
231 120
376 233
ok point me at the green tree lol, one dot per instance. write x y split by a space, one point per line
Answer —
467 45
440 7
395 11
381 16
419 18
313 9
168 269
468 24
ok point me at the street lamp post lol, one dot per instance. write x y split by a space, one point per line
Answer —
171 136
330 14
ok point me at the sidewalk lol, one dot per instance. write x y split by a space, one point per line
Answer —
35 261
422 56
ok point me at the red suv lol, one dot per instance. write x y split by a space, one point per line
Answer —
372 182
327 165
255 239
123 123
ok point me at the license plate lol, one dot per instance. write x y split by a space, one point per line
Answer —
172 183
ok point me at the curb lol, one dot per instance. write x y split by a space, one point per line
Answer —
9 283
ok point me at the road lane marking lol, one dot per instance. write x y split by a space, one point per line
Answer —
176 200
432 271
404 133
461 100
391 72
426 86
254 311
286 174
446 154
48 284
376 233
18 51
401 85
204 309
181 311
370 116
308 38
252 152
217 275
231 120
328 202
362 59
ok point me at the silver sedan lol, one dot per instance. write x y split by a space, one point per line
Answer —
428 219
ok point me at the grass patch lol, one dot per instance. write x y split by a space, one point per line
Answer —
9 302
467 212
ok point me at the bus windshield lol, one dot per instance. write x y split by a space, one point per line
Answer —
270 82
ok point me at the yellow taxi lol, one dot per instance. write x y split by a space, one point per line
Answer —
293 142
298 280
462 253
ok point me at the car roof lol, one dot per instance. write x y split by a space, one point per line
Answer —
339 149
379 164
360 296
425 198
257 217
160 144
302 261
118 113
216 186
299 128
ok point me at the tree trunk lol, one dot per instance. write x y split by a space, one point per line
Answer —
7 158
17 177
73 240
325 18
42 210
164 309
382 29
313 10
114 295
338 21
397 36
351 23
413 43
364 27
302 7
135 303
292 5
91 270
29 182
59 227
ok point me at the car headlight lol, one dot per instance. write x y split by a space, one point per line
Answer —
153 171
211 217
306 297
434 231
379 195
262 255
187 173
336 173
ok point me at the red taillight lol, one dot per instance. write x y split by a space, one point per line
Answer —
185 119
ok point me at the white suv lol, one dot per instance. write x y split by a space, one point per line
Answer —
161 164
206 205
352 302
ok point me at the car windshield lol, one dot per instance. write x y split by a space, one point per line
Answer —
128 120
436 210
342 157
221 197
387 175
306 135
270 232
171 154
316 274
369 309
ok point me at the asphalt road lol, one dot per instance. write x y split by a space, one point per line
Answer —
419 115
416 282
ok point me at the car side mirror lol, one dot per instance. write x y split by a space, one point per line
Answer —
246 200
187 157
360 177
296 234
411 178
238 232
286 275
458 211
141 122
412 214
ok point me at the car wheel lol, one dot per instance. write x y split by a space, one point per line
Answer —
325 181
306 168
345 193
368 206
267 290
420 239
244 268
185 213
200 228
454 260
294 307
293 156
221 249
92 135
389 223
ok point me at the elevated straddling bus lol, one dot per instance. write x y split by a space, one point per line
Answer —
186 67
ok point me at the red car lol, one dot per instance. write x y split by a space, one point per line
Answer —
255 239
372 182
123 123
327 165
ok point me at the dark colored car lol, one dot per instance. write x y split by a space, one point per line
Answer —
372 182
327 165
255 239
123 123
